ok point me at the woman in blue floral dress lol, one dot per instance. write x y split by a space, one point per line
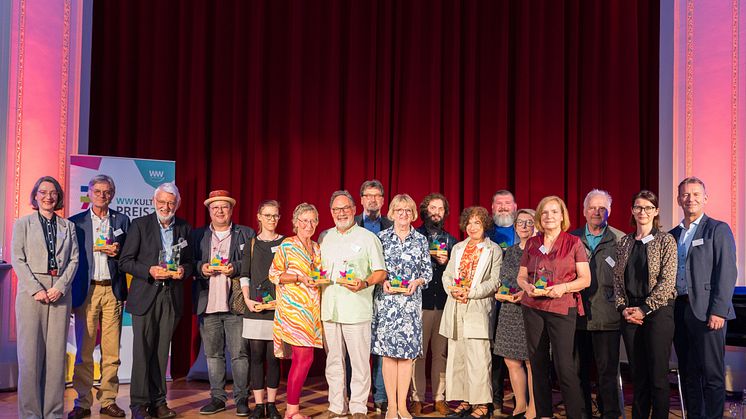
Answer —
397 304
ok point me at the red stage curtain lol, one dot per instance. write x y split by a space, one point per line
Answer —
294 99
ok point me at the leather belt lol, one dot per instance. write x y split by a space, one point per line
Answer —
165 283
53 272
102 283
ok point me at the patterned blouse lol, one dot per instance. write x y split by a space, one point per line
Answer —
298 312
469 261
409 259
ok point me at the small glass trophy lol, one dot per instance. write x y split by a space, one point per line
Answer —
397 283
219 264
347 276
460 284
103 241
543 278
506 294
266 302
169 266
438 248
318 276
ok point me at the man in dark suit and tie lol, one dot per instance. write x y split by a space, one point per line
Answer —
99 291
156 297
705 281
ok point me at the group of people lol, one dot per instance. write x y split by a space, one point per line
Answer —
519 294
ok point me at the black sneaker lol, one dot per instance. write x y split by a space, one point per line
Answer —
242 407
272 412
215 406
259 412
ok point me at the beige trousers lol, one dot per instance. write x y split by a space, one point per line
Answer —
100 309
468 370
356 339
439 348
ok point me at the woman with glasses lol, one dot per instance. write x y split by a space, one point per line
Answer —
510 336
397 318
45 258
645 290
470 279
297 324
257 323
554 268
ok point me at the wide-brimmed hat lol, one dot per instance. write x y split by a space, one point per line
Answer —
220 195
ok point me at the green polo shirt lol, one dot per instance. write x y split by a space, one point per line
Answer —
359 250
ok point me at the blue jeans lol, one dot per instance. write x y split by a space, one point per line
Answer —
379 390
217 329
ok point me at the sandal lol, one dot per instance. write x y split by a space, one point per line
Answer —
461 411
482 411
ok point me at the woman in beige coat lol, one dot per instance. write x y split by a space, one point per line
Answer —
471 279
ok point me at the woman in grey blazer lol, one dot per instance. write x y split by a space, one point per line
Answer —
470 279
45 258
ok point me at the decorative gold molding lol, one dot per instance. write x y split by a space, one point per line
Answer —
689 124
64 92
734 119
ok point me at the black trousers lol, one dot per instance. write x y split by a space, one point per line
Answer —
603 347
701 355
542 329
152 334
261 351
499 370
649 350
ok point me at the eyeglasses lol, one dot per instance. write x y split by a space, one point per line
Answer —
271 216
403 211
341 209
98 192
170 204
51 194
220 208
525 223
307 222
372 195
638 209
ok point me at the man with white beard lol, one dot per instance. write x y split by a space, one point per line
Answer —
503 212
156 297
347 310
503 233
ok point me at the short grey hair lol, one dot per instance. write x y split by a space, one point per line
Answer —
598 192
373 183
341 193
303 207
102 178
169 187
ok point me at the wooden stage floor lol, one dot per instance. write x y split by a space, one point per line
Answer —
187 397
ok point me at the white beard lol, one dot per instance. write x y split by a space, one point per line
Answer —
504 220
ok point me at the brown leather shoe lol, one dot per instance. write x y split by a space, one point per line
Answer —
140 412
416 408
79 413
113 410
442 407
162 412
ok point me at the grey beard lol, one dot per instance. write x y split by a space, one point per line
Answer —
341 226
503 220
164 220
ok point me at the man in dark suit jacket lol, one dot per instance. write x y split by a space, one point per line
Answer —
156 297
223 241
705 281
99 291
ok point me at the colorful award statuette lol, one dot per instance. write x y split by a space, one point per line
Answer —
543 281
219 264
506 294
459 284
438 249
170 266
266 302
103 243
397 283
347 277
318 276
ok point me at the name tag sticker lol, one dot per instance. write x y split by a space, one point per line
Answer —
647 239
241 246
610 261
118 232
355 248
543 249
182 244
480 245
275 248
406 256
698 242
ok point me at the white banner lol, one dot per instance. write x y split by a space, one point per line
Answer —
135 180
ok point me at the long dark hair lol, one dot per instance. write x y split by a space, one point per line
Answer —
649 196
